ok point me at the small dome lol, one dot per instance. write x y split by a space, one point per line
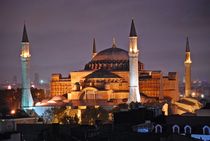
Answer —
58 98
44 101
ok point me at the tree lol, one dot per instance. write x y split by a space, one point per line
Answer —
48 116
92 114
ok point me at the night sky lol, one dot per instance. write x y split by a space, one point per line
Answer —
61 34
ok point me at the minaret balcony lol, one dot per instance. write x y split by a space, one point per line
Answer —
133 54
188 61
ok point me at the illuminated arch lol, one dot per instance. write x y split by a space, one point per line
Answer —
187 129
158 128
176 129
206 130
88 91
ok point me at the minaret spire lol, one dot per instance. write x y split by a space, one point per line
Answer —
94 48
187 63
187 52
25 36
133 30
114 43
134 94
187 45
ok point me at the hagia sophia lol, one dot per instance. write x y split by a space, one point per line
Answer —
113 76
106 78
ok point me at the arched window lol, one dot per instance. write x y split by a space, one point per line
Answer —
187 129
77 86
206 130
176 129
158 128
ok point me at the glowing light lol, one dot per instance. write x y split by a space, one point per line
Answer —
25 54
143 130
193 94
82 107
165 109
188 61
135 50
33 86
79 116
96 106
9 87
51 102
12 112
110 116
150 73
41 81
202 96
38 104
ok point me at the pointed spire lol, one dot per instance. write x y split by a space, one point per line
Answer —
94 45
133 30
114 43
187 45
25 36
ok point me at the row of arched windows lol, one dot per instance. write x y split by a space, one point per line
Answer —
111 65
187 129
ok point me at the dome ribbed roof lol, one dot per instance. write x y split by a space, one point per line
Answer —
111 54
111 59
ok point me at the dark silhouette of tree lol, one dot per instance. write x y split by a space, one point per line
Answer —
65 119
91 114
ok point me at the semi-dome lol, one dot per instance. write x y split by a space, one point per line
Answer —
111 59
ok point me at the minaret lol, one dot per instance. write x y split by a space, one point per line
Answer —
187 63
94 48
134 94
26 99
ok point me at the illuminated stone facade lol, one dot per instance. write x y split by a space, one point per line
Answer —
154 84
60 85
106 77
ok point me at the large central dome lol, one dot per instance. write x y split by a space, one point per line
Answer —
111 54
111 59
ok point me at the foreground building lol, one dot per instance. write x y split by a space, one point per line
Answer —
107 78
